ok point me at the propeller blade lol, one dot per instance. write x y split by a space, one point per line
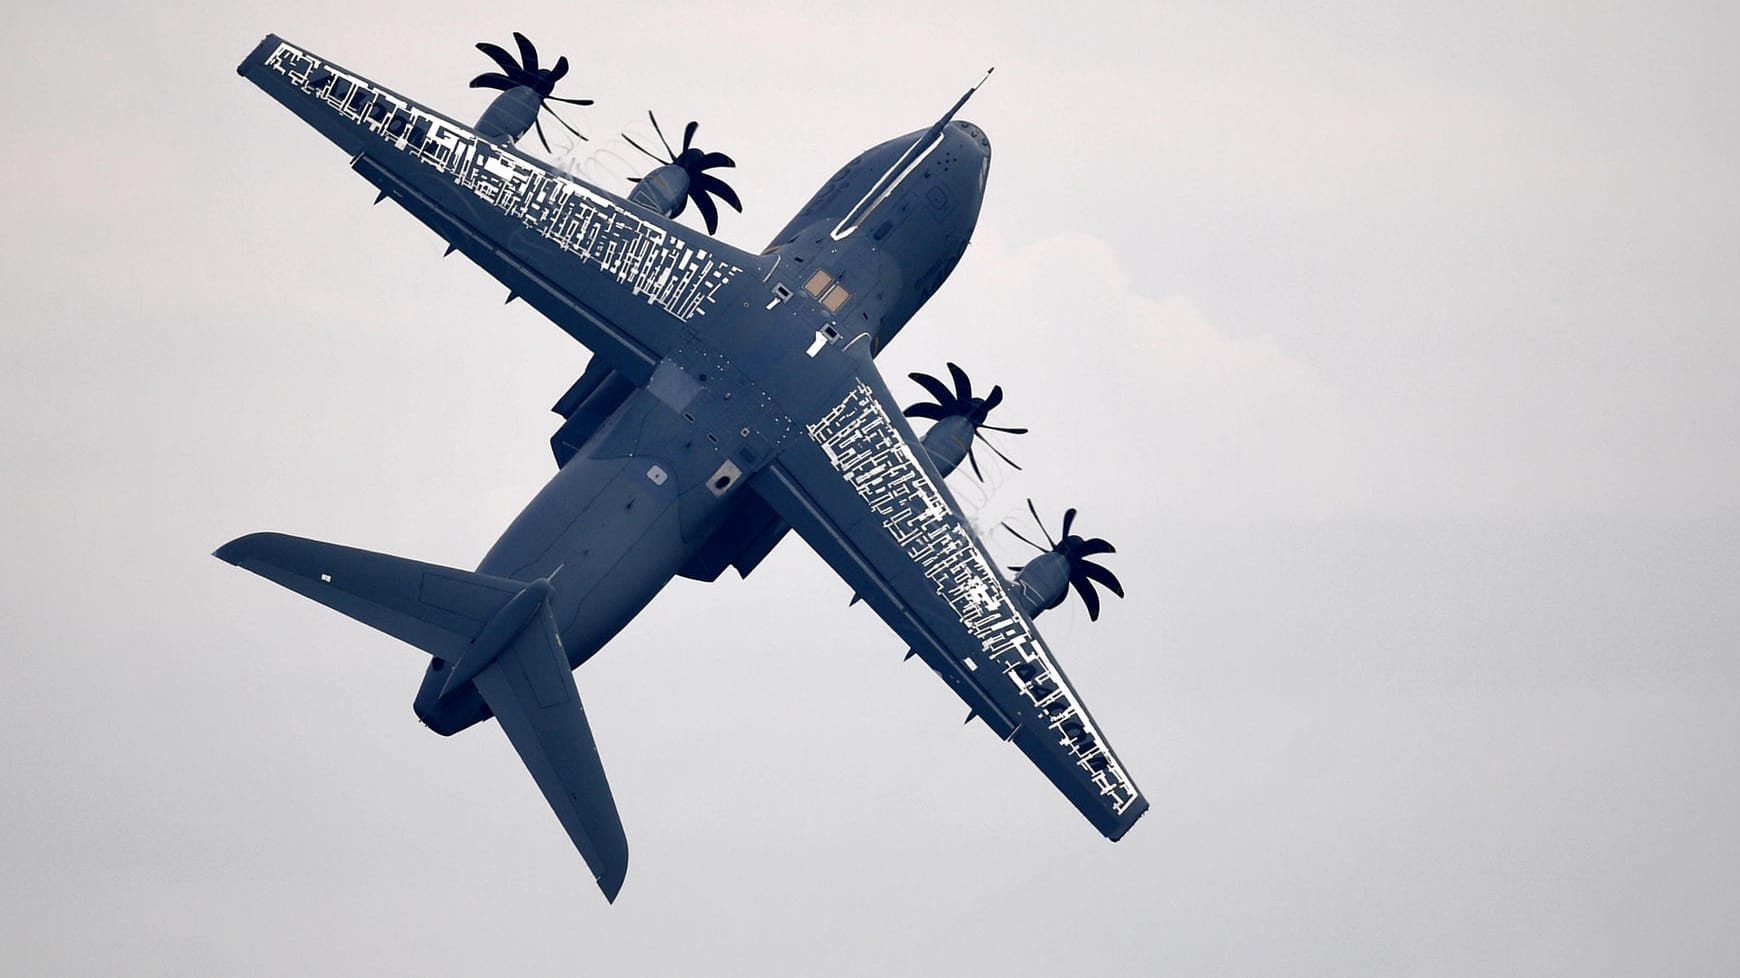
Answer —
570 101
661 134
495 80
563 121
539 126
927 410
1017 534
995 397
717 187
704 204
1089 596
1095 572
1036 519
710 160
528 54
994 448
561 69
963 386
1006 431
975 460
1068 520
509 66
944 398
1095 546
649 154
689 133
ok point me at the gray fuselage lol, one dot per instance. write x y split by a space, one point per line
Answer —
661 474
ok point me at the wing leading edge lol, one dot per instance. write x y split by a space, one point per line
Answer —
625 282
862 492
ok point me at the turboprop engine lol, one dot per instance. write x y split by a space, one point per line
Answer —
1042 582
682 177
525 91
959 417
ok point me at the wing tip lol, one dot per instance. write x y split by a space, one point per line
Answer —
612 884
258 56
611 867
242 547
1129 820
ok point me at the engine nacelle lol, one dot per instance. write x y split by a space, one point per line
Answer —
663 191
509 116
1042 583
947 442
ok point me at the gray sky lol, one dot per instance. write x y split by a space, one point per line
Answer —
1393 345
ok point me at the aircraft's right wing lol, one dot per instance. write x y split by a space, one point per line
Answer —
862 492
622 280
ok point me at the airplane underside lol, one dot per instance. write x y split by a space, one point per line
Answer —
732 399
632 507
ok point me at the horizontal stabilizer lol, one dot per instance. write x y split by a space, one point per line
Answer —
437 609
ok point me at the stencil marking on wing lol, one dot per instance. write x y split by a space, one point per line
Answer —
673 275
863 444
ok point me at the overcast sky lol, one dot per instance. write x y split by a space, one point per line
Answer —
1393 345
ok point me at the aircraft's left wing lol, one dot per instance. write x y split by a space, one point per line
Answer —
622 280
864 494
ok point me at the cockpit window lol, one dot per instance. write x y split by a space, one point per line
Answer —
818 283
835 298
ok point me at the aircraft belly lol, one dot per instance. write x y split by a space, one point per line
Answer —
578 518
606 536
621 518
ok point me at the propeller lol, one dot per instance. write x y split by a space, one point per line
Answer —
525 73
960 403
693 162
1075 551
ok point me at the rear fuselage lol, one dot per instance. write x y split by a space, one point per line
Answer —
662 473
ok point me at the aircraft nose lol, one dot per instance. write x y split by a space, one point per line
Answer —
974 133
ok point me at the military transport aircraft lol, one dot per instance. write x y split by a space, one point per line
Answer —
731 397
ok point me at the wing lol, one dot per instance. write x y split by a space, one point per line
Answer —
620 279
863 493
